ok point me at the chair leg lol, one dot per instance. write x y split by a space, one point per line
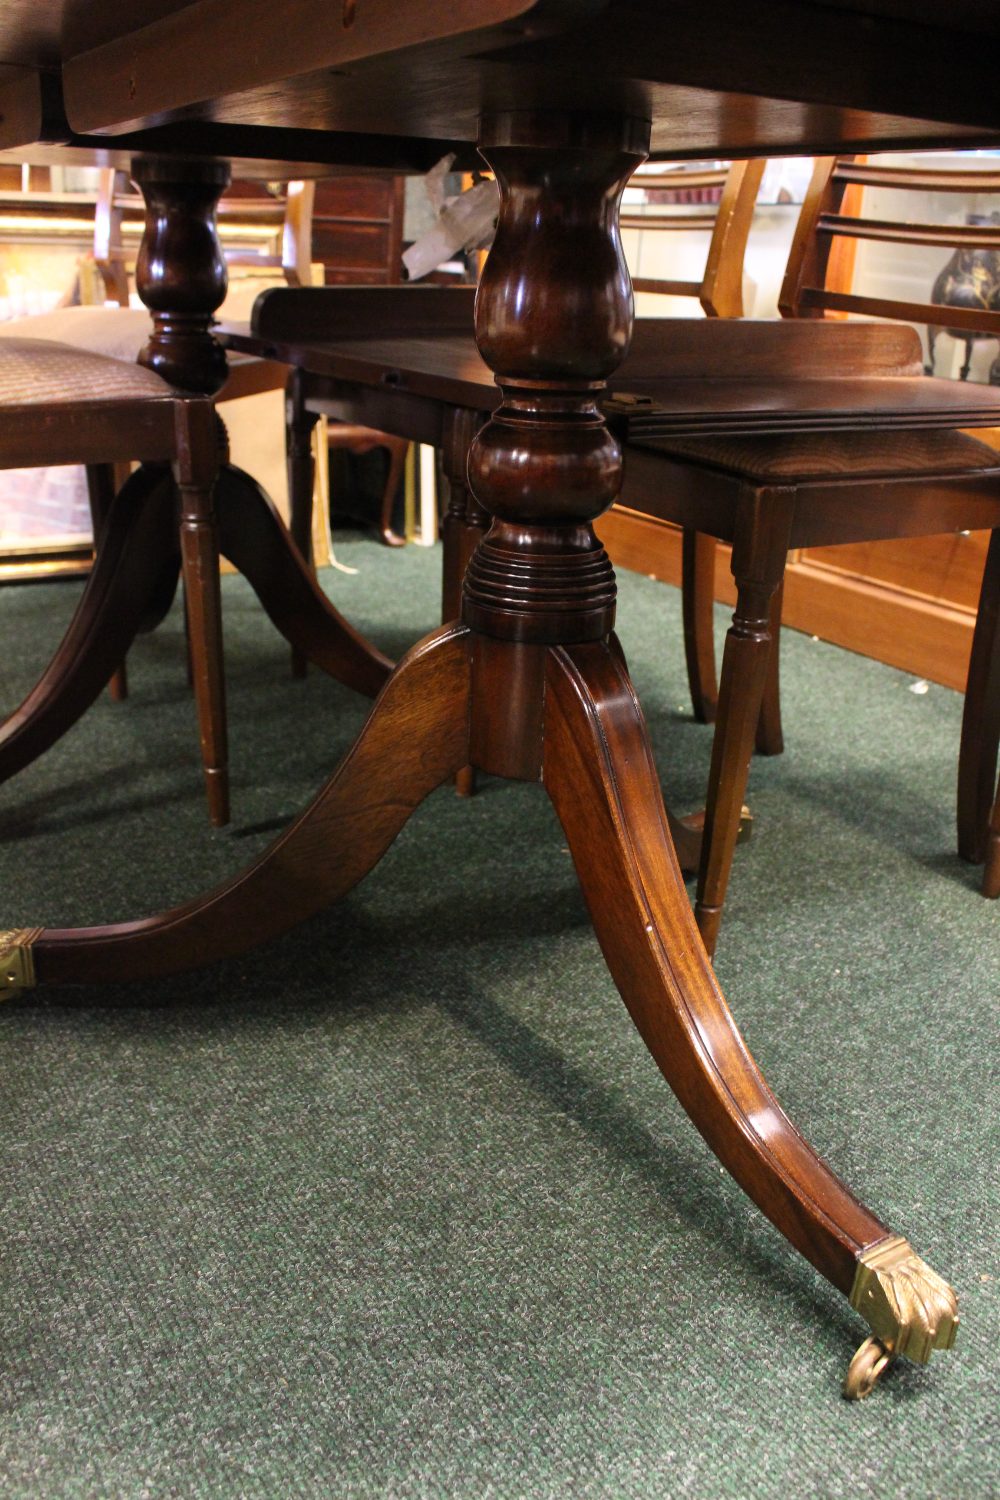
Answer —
188 655
697 603
770 739
195 472
301 469
977 760
991 872
397 462
103 484
758 562
462 527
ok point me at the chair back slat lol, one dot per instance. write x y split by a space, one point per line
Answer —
938 314
720 290
925 179
663 286
681 182
950 236
668 223
824 222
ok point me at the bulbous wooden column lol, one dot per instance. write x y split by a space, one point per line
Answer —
181 271
553 321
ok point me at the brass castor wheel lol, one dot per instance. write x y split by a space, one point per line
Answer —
866 1369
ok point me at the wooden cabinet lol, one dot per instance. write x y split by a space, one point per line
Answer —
358 229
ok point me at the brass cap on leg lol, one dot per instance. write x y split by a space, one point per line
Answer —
17 964
910 1309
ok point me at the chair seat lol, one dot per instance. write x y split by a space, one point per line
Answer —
118 332
41 372
803 458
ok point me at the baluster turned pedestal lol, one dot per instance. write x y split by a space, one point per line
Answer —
531 685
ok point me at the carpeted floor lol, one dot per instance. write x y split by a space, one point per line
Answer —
399 1206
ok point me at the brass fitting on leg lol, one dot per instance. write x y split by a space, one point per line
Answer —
17 964
910 1309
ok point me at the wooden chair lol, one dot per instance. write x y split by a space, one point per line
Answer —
361 239
275 242
732 192
269 233
727 214
65 405
767 494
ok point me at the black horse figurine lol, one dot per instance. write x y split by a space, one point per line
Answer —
970 279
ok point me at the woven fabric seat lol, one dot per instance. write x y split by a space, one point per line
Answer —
818 457
41 372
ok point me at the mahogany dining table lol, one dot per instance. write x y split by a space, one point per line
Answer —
563 99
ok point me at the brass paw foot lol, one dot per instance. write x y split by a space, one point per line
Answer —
17 966
910 1309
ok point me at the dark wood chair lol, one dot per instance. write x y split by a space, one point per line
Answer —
64 405
269 233
766 494
359 235
725 213
731 195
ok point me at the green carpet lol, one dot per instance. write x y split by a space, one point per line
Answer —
399 1206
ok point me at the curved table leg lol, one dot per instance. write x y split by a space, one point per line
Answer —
416 737
600 775
134 571
254 539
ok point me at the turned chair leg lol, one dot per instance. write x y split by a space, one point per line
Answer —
698 608
103 483
301 470
396 449
697 604
195 471
463 525
770 739
991 872
977 760
758 561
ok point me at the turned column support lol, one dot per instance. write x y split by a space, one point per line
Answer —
181 273
553 321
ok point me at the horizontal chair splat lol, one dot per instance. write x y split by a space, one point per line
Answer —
949 236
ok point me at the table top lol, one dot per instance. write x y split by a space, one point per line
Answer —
402 79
